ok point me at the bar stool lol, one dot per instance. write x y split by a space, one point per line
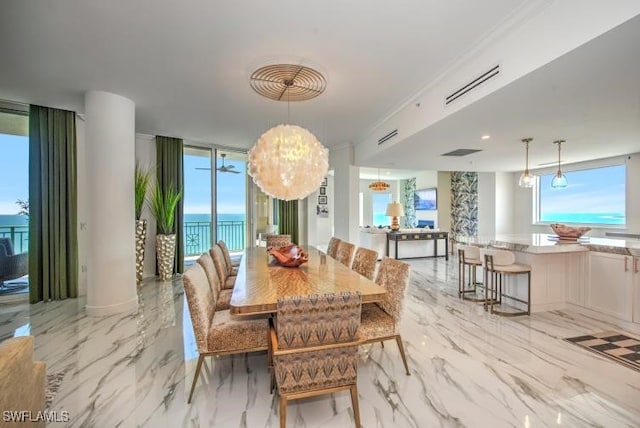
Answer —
469 258
497 265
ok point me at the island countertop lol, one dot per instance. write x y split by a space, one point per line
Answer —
542 243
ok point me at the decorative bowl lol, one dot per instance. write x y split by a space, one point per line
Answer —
567 232
289 256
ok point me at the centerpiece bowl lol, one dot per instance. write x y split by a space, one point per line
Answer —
565 232
289 255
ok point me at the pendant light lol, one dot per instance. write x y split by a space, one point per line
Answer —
559 181
379 186
526 179
288 162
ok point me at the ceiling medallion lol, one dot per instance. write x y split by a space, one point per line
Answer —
288 82
288 162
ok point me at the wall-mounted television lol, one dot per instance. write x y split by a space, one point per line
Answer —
425 199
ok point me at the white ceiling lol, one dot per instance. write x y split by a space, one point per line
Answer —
186 65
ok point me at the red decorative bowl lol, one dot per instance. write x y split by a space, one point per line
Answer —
567 232
289 256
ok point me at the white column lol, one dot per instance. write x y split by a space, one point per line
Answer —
346 189
110 146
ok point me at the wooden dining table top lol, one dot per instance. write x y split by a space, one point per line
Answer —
261 281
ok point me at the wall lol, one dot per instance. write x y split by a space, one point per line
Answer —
320 229
505 208
83 205
486 204
464 204
444 201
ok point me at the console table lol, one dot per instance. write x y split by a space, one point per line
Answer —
419 236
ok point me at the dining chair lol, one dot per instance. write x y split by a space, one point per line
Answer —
364 262
345 253
216 332
227 280
278 240
380 321
332 249
315 349
221 296
232 266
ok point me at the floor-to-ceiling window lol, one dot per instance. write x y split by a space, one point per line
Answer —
231 199
14 201
197 201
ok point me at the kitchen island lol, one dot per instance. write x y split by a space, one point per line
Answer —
598 274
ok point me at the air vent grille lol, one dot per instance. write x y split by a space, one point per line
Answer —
387 137
461 152
484 77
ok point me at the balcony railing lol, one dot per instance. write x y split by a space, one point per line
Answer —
19 236
197 236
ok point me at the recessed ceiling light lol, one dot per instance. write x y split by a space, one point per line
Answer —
486 137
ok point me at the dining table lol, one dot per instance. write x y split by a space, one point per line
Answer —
261 281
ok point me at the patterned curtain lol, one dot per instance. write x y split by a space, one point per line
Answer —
53 206
464 204
169 169
407 190
288 219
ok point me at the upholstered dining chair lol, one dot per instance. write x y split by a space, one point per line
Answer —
380 320
345 253
215 331
226 279
364 262
222 296
332 249
315 349
232 266
278 240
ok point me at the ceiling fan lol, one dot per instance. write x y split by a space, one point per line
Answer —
223 167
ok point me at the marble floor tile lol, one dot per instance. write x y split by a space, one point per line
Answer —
468 368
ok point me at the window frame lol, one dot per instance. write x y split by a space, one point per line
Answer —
589 165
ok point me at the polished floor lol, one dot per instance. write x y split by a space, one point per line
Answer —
468 368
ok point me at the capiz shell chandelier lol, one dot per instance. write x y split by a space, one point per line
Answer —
288 162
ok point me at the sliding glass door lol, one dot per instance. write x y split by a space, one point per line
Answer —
231 199
197 201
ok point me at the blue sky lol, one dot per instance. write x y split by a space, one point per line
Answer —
14 172
231 187
14 180
600 190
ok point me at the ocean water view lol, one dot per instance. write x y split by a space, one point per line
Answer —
585 218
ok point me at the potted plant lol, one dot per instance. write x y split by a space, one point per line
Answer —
163 205
141 185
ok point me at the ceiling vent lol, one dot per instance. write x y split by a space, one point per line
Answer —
461 152
387 137
484 77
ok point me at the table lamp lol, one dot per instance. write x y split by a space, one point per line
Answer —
395 210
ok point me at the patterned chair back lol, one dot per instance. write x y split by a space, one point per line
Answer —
278 240
304 325
332 249
305 321
345 253
201 303
227 256
6 249
364 262
393 275
209 267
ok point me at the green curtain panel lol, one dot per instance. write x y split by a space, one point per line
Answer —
288 219
53 236
169 169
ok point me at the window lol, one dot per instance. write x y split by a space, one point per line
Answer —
593 196
380 202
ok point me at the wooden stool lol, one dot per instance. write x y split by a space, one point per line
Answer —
469 258
497 265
